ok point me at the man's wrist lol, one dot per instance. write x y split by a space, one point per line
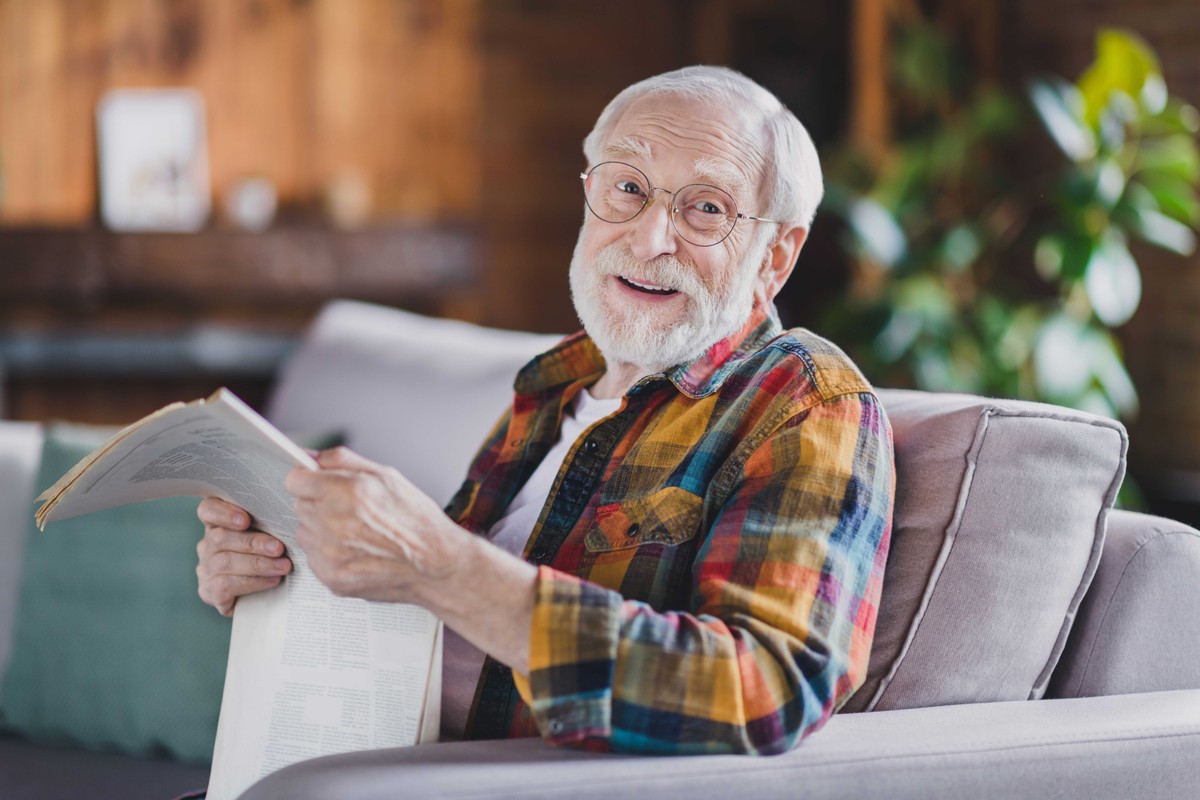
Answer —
487 597
437 588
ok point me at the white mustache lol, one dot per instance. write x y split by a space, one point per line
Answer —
665 270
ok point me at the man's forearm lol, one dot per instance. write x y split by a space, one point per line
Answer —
488 600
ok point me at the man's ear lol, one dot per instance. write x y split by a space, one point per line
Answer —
778 263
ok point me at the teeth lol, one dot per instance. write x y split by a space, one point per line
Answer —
649 287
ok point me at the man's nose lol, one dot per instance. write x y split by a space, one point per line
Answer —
652 234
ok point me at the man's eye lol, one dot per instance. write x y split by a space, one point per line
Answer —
629 187
706 207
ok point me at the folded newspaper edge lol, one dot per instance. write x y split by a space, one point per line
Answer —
221 398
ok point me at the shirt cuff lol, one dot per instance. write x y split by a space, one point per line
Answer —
572 657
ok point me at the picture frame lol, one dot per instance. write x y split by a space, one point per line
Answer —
153 160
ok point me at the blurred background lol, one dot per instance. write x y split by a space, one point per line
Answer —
1011 208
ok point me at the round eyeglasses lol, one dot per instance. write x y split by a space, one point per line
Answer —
702 215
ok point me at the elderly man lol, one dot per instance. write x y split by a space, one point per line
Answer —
674 540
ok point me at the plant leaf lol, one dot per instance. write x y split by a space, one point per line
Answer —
1110 372
1174 196
1059 370
1048 256
1060 107
1124 65
961 247
1175 155
1176 117
1110 183
1157 228
877 232
1113 282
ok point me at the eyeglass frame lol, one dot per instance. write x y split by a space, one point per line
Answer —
674 209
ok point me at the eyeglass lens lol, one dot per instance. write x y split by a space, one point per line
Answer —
617 192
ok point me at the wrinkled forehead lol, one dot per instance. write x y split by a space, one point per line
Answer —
714 143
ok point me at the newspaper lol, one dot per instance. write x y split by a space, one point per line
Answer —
309 673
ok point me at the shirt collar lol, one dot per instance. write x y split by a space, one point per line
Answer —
576 358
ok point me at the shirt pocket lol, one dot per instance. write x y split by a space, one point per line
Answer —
669 517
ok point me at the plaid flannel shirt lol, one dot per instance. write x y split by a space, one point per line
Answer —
710 556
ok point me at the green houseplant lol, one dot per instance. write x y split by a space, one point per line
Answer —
977 269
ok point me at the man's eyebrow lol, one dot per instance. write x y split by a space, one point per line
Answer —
720 175
629 147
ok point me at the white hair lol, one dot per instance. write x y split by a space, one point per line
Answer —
792 171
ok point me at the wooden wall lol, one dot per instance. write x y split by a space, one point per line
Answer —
550 69
301 91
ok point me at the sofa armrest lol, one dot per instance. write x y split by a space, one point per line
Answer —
20 450
1138 628
1098 748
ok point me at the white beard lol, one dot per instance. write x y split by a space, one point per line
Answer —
646 339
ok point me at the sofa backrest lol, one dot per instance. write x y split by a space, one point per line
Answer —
402 389
1000 505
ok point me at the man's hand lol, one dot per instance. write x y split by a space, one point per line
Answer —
369 533
233 559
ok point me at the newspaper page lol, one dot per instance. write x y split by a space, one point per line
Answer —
218 447
309 673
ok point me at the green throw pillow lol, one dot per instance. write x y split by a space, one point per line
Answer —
112 648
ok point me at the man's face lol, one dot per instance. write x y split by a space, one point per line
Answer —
644 294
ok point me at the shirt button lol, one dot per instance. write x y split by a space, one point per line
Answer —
633 530
538 554
518 442
590 445
556 727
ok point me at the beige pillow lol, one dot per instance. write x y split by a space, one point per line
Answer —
999 523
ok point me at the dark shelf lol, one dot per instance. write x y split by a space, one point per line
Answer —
87 268
104 327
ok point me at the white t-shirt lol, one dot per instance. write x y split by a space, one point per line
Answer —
462 661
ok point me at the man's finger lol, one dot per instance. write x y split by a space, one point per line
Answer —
227 562
215 511
222 593
303 482
254 542
344 458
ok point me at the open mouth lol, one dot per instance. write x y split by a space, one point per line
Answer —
647 288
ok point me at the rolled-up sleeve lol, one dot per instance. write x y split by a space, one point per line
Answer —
785 587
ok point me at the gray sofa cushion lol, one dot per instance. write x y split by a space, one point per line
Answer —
999 520
1139 625
1093 748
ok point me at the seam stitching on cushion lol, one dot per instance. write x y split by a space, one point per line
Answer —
1089 571
1087 662
949 537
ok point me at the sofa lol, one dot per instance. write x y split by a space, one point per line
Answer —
1031 640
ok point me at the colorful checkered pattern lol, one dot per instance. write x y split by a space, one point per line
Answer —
710 556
